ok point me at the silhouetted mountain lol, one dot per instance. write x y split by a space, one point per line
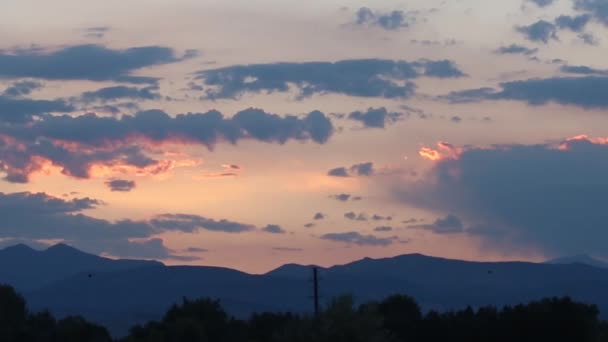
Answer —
293 271
579 259
27 269
120 298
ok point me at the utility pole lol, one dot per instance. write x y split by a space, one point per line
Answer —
315 279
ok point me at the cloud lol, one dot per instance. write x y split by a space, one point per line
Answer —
390 21
456 119
338 172
546 197
375 117
193 223
196 250
450 224
541 31
346 197
379 78
597 8
583 70
274 229
361 169
22 88
309 225
148 249
319 216
341 197
586 92
121 185
354 217
588 38
231 167
96 32
358 239
515 49
21 110
76 144
383 229
39 217
121 92
542 3
85 62
575 24
377 217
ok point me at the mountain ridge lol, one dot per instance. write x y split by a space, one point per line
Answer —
119 295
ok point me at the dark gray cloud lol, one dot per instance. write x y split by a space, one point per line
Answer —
383 229
597 8
147 249
588 38
121 185
541 31
22 88
575 24
309 225
274 229
588 92
450 224
341 197
377 217
375 117
38 216
542 3
338 172
111 140
583 70
354 217
390 21
121 92
346 197
516 49
193 223
319 216
21 110
361 169
85 62
544 197
356 238
359 77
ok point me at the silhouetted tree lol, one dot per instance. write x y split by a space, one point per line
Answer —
77 329
13 314
401 315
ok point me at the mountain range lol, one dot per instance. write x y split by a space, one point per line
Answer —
121 293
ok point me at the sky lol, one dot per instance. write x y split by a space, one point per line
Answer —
251 134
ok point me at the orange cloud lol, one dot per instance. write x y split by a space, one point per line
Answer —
565 145
444 150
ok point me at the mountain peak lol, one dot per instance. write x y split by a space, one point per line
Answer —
579 259
62 248
20 247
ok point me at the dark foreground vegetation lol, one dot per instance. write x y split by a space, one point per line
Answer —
397 318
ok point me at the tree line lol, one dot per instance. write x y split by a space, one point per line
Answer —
395 319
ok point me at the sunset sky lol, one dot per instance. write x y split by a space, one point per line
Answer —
250 134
